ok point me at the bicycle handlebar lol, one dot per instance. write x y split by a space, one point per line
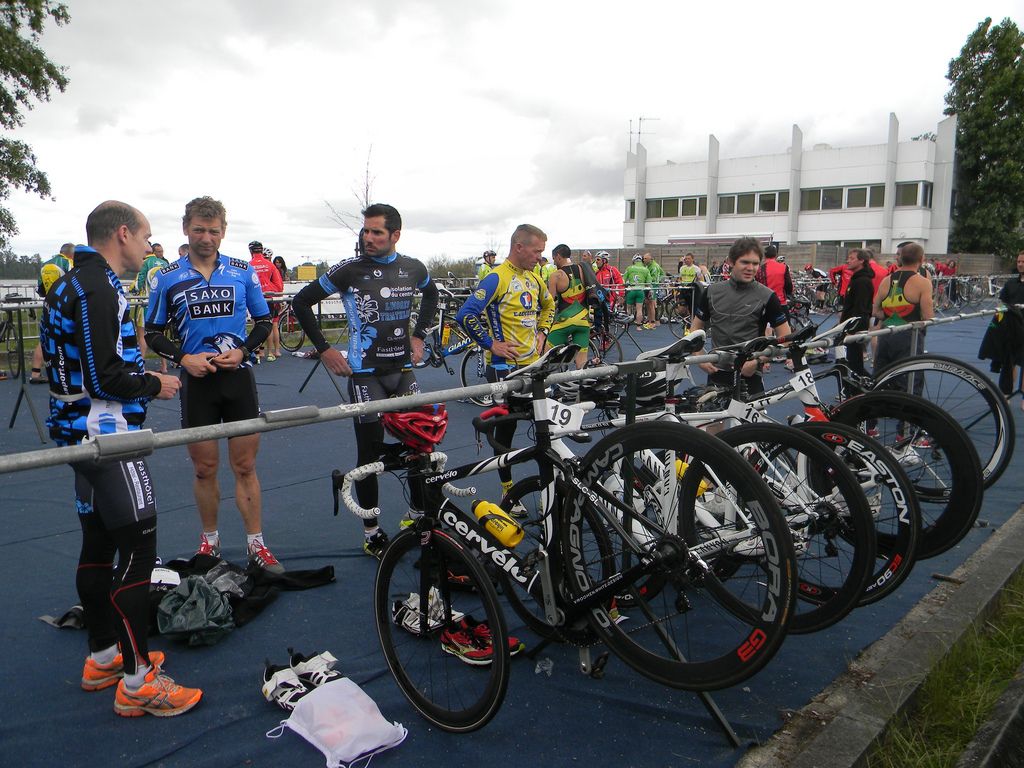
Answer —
491 419
437 459
360 473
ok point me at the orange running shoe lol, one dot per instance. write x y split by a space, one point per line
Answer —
159 695
96 676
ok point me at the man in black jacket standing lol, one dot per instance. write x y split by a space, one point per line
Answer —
99 386
860 296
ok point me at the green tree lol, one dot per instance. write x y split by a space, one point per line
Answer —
987 95
26 75
440 266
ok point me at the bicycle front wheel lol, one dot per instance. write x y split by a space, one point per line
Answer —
604 349
827 513
292 335
451 661
677 317
966 394
934 451
653 597
891 497
14 360
473 372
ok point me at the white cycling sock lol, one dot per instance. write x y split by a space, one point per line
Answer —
134 681
105 656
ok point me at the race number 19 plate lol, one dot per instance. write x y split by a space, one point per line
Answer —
564 416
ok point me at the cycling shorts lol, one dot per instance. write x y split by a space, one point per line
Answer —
570 334
120 493
635 297
224 396
367 387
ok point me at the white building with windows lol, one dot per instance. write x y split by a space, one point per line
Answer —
872 196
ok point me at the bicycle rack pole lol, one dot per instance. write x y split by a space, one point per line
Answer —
23 391
319 362
627 481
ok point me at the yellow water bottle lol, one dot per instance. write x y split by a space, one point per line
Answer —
497 521
681 467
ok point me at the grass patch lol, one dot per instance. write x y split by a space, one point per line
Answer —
960 692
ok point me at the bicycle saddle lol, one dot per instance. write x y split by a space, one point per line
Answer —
553 360
748 348
800 336
849 325
690 343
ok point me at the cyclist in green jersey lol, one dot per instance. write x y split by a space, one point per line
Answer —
651 297
152 264
636 277
544 269
488 266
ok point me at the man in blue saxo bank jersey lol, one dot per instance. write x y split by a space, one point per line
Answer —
377 289
205 295
99 386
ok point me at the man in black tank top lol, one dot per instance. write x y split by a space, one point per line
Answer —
903 297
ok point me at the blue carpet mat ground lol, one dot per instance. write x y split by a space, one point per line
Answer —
558 719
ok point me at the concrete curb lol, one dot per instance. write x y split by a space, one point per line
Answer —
842 724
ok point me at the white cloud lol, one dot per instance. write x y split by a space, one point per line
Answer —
480 115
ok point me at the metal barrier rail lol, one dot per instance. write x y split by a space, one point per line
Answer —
143 442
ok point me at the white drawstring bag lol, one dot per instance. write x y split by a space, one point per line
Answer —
340 720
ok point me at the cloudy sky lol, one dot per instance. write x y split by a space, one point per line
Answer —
475 115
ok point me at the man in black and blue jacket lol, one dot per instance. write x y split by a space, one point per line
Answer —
99 386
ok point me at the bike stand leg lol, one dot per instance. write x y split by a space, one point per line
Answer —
309 375
329 376
716 714
534 652
23 391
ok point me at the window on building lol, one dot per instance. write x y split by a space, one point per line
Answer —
784 200
654 209
810 199
853 244
745 203
832 198
906 194
689 206
767 202
926 194
876 196
857 197
670 209
874 245
726 204
702 206
630 210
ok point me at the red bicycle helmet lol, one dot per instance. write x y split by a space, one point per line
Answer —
420 429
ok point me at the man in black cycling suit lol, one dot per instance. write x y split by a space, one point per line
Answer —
377 289
99 386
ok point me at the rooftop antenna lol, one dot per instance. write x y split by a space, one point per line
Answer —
639 129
